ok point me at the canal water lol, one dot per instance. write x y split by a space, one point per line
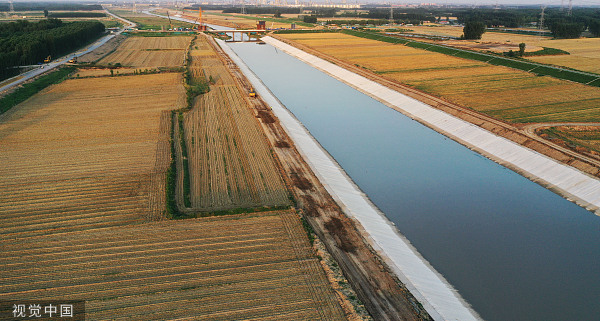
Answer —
513 249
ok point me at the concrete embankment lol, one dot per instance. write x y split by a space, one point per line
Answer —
440 300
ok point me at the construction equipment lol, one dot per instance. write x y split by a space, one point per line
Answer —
198 21
252 93
48 59
170 23
73 60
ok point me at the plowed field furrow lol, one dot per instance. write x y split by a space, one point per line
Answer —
115 215
207 296
70 204
67 193
64 258
199 265
205 230
37 189
24 171
257 311
214 309
76 228
144 256
104 210
138 265
269 271
158 239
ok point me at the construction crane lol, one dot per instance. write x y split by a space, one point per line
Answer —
170 23
201 26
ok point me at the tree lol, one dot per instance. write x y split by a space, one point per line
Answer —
277 14
567 30
46 13
521 49
595 27
473 30
310 19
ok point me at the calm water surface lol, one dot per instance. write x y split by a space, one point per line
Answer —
513 249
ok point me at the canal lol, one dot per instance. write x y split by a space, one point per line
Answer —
513 249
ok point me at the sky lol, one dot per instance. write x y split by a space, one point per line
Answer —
440 2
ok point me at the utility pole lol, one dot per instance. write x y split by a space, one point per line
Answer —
570 8
391 14
11 7
541 23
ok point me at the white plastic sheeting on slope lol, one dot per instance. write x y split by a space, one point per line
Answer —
440 300
567 181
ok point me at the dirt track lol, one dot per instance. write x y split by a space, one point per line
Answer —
519 135
377 287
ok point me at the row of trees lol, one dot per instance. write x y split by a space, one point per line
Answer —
76 14
58 6
25 43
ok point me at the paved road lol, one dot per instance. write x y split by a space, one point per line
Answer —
62 60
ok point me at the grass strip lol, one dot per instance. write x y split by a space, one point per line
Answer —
172 211
186 169
27 90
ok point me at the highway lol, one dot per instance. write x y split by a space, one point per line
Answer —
62 60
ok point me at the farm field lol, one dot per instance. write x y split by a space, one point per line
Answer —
584 52
81 155
500 92
146 22
257 266
229 158
150 52
83 193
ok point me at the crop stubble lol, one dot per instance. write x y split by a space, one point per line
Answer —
231 163
149 52
83 174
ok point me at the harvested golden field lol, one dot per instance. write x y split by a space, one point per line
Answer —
251 267
80 155
83 192
584 52
149 52
230 160
216 17
501 92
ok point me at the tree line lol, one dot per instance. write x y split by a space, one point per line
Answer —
76 14
39 6
27 43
